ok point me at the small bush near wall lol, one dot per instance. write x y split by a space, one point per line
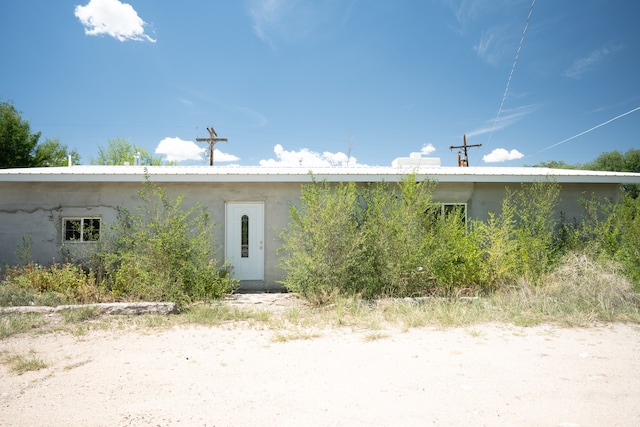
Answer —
159 252
56 284
612 231
162 252
520 241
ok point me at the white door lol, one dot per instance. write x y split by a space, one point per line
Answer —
244 240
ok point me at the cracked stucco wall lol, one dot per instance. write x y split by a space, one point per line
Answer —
35 210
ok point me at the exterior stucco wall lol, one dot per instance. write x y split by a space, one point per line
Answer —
35 210
488 197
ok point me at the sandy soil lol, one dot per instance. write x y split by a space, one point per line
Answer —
241 376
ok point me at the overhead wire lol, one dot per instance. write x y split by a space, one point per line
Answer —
589 130
513 67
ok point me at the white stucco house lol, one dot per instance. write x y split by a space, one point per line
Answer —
66 205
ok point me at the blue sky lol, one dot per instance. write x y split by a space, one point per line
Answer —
329 82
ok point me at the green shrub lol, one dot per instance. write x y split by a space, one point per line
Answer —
376 241
611 230
399 224
520 242
535 208
162 252
413 249
628 253
33 284
323 249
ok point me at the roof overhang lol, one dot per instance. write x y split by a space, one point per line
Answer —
300 174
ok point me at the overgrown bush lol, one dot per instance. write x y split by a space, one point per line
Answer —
376 241
323 245
162 251
414 249
520 242
34 284
610 230
383 240
159 252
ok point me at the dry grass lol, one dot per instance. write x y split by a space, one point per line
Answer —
19 364
579 292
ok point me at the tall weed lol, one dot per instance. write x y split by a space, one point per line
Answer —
374 241
323 249
162 251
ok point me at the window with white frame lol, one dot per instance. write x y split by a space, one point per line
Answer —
81 229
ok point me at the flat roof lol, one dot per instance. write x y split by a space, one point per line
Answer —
305 174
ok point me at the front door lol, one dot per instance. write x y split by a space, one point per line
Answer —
244 240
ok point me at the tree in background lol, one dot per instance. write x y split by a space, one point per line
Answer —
52 153
617 162
19 147
613 161
120 151
16 140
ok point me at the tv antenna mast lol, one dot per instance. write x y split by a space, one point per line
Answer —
213 138
463 163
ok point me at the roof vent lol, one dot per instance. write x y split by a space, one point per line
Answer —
416 160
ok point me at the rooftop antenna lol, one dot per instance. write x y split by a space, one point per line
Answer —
213 138
463 163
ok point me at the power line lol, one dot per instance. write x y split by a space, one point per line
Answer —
589 130
513 67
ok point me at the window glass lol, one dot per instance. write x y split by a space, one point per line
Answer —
244 236
73 230
81 229
91 229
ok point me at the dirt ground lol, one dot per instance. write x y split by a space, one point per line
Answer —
235 375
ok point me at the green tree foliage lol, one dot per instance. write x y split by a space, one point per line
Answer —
613 161
162 252
19 147
17 143
554 164
610 161
119 151
52 153
618 162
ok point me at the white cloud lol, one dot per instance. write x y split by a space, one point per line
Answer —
427 149
507 118
582 65
502 155
308 158
178 150
219 156
113 18
293 21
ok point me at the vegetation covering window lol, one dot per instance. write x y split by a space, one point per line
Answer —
459 209
81 229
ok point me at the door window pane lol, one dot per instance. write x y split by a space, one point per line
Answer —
244 236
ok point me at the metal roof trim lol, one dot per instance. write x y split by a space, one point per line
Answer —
305 174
